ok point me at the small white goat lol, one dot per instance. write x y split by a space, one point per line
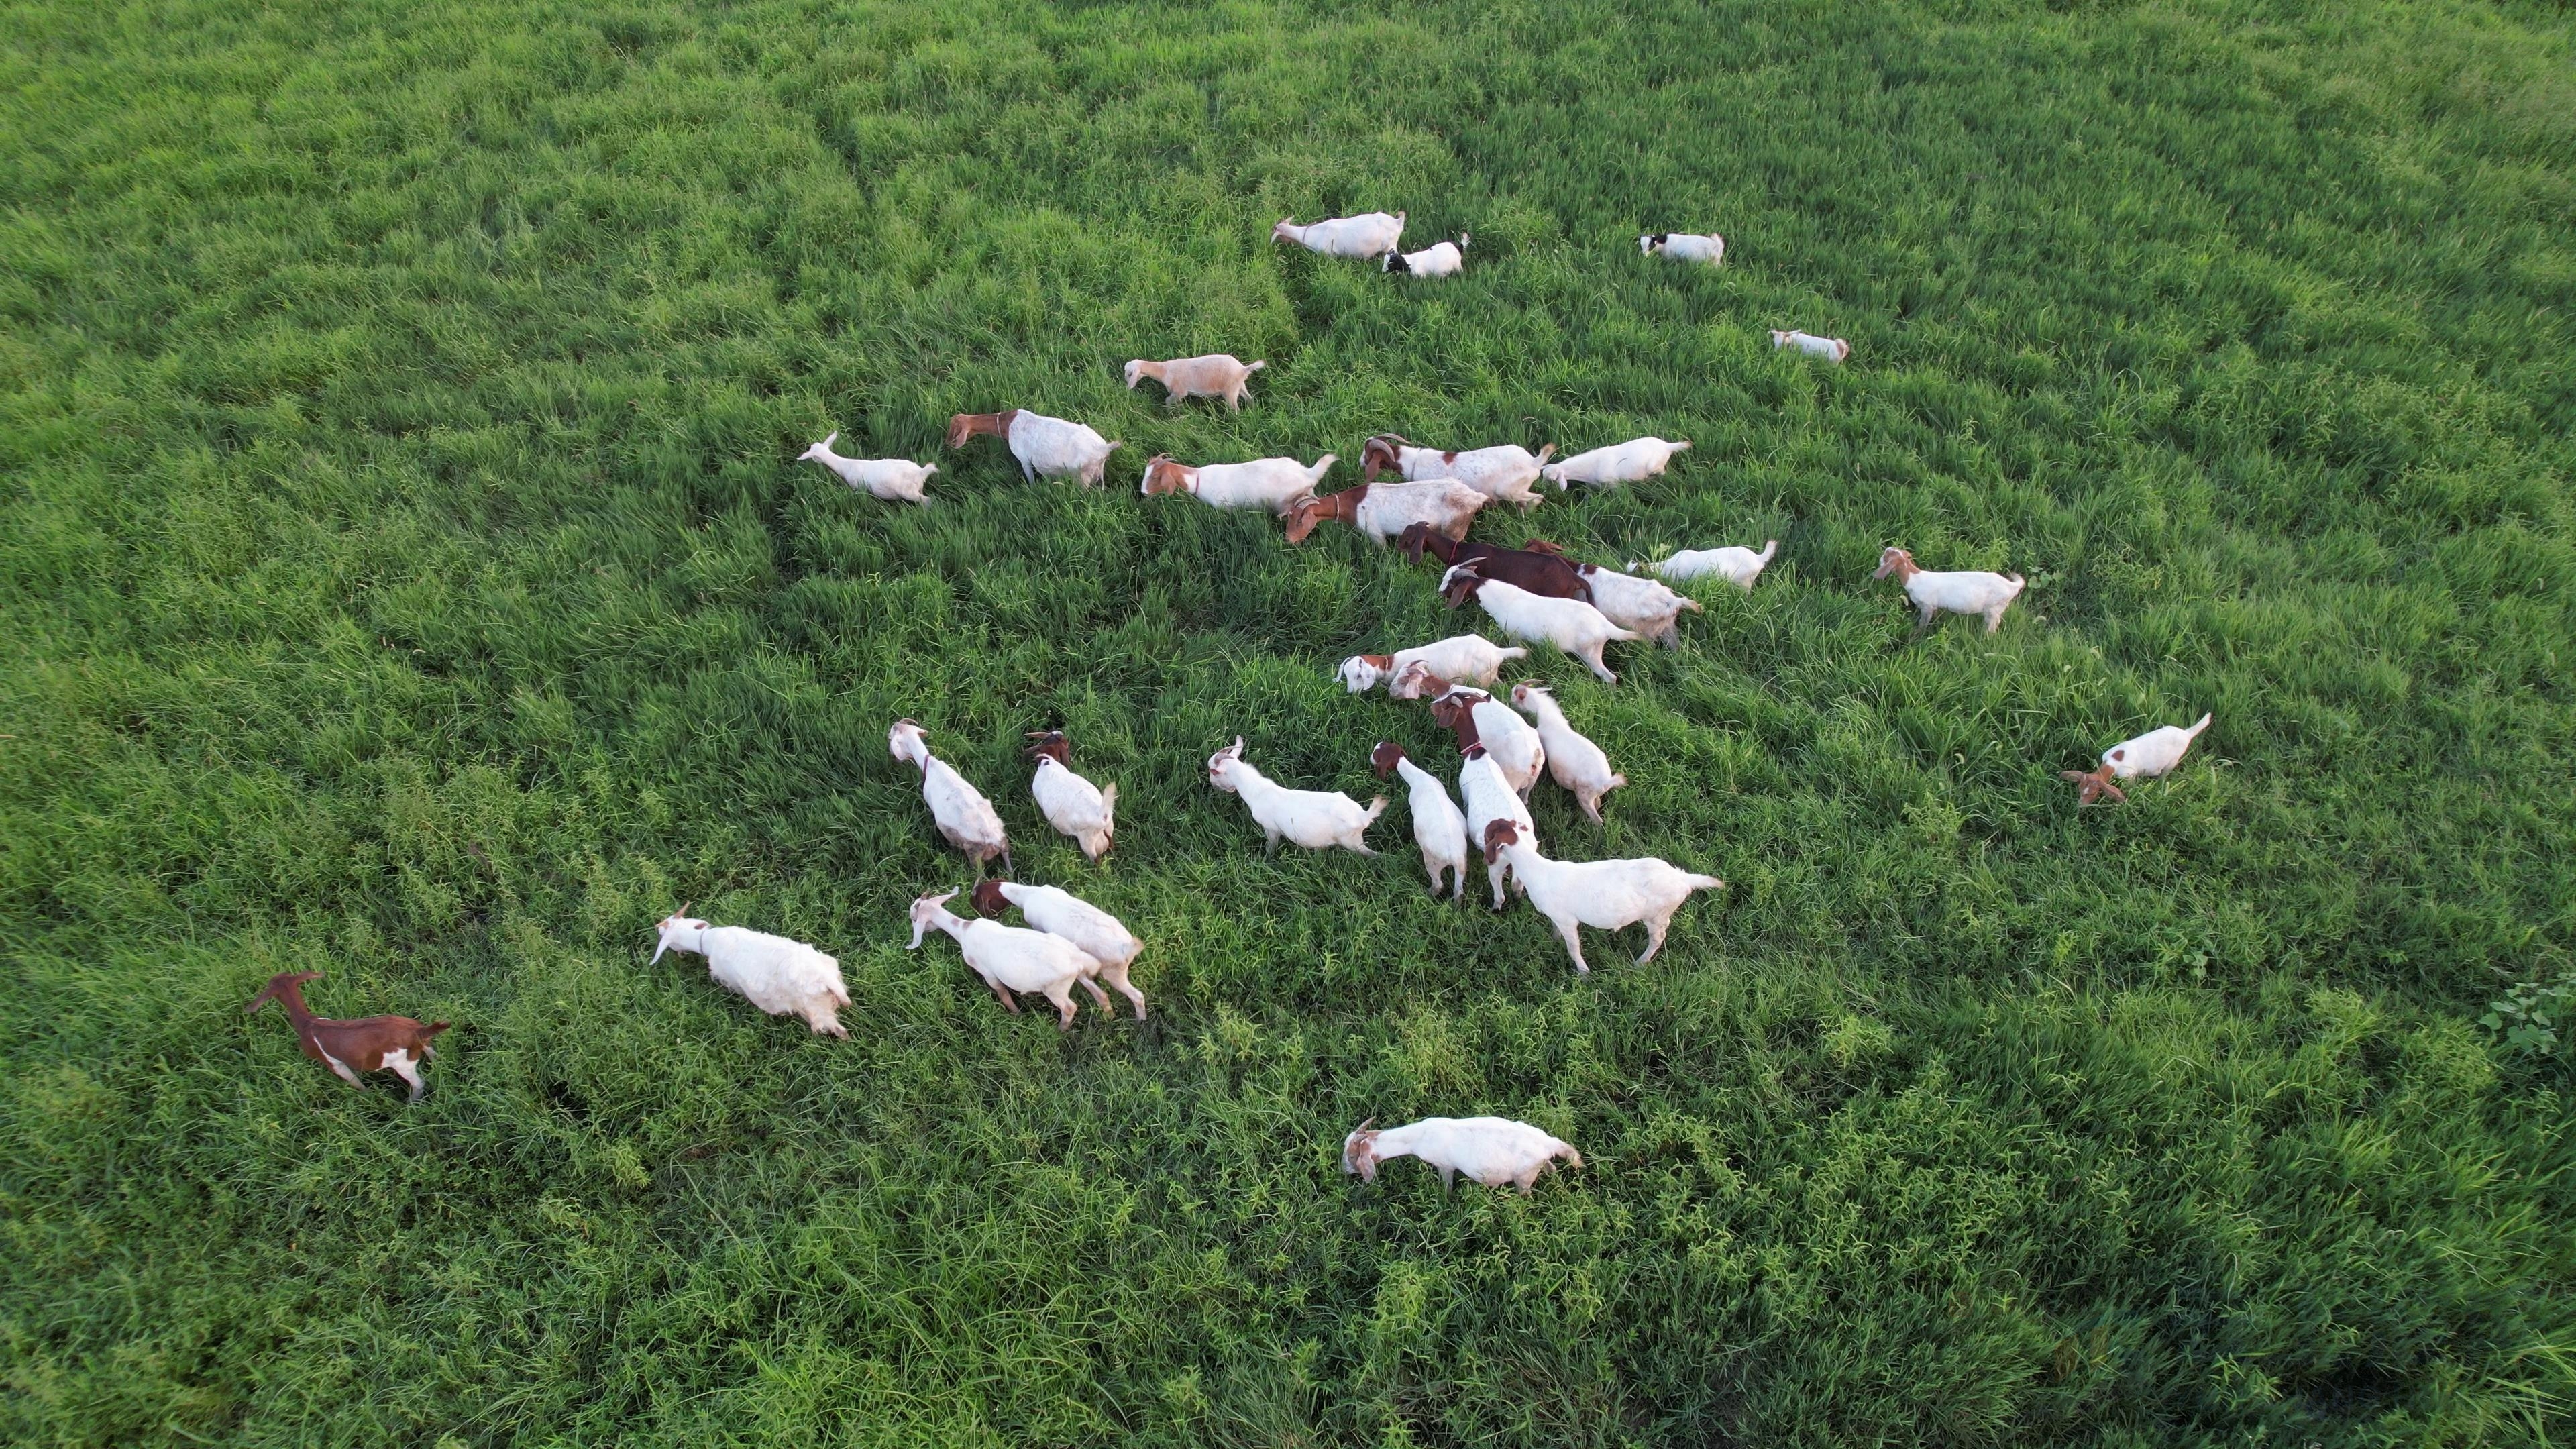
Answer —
1315 819
1274 485
965 818
1381 511
1490 1150
1011 958
1440 259
1477 718
1831 349
1465 658
780 976
1619 463
1438 828
896 480
1363 236
1072 804
1102 936
1489 797
1572 761
1217 375
1610 895
1504 471
1045 447
1640 604
1738 566
1570 624
1685 246
2149 756
1971 591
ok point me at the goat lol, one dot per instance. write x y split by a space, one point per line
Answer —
1100 935
896 480
1013 958
395 1044
1684 246
1538 566
780 976
1490 1150
1438 828
1416 681
1217 375
1619 463
1738 566
1972 591
1504 471
1440 259
1364 236
1045 447
1477 718
1274 484
1381 511
1487 797
1609 895
1831 349
1570 624
1315 819
1072 804
1573 761
965 818
1640 604
2149 756
1467 657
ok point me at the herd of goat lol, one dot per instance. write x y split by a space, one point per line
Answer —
1535 593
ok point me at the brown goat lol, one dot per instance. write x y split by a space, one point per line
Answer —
1540 568
394 1044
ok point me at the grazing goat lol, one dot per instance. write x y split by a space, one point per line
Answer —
780 976
1384 510
395 1044
1971 591
1570 624
1738 566
1539 567
1488 797
2147 757
1273 484
1640 604
896 480
1468 657
1572 761
1217 375
1013 958
1440 259
1477 718
1416 681
1045 447
1831 349
1609 895
1438 828
1504 471
1361 236
1072 804
1315 819
1684 246
1619 463
1102 936
1490 1150
965 818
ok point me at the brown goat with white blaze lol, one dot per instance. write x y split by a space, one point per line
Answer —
395 1044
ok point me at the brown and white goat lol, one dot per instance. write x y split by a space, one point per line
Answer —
1218 375
1385 510
395 1044
1539 568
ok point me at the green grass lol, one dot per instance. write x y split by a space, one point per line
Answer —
402 576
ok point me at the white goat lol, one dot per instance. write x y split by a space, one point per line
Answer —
1272 484
965 818
1611 466
1607 894
1217 375
1012 958
1363 236
1440 259
1465 658
1072 804
1489 797
1315 819
1570 624
1438 828
1969 591
1045 447
780 976
1738 566
1685 246
1477 718
1504 471
1381 511
1102 936
896 480
1490 1150
1572 761
1640 604
2147 757
1831 349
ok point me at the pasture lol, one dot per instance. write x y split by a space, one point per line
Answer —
404 576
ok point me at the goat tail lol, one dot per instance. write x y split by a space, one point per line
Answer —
1624 636
1250 368
1706 883
434 1028
1682 446
1615 782
2014 580
1546 451
1769 547
2201 724
1108 807
1572 1157
1517 651
1376 808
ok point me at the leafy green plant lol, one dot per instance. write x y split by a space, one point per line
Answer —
2526 1017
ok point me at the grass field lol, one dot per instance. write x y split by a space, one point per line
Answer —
403 576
